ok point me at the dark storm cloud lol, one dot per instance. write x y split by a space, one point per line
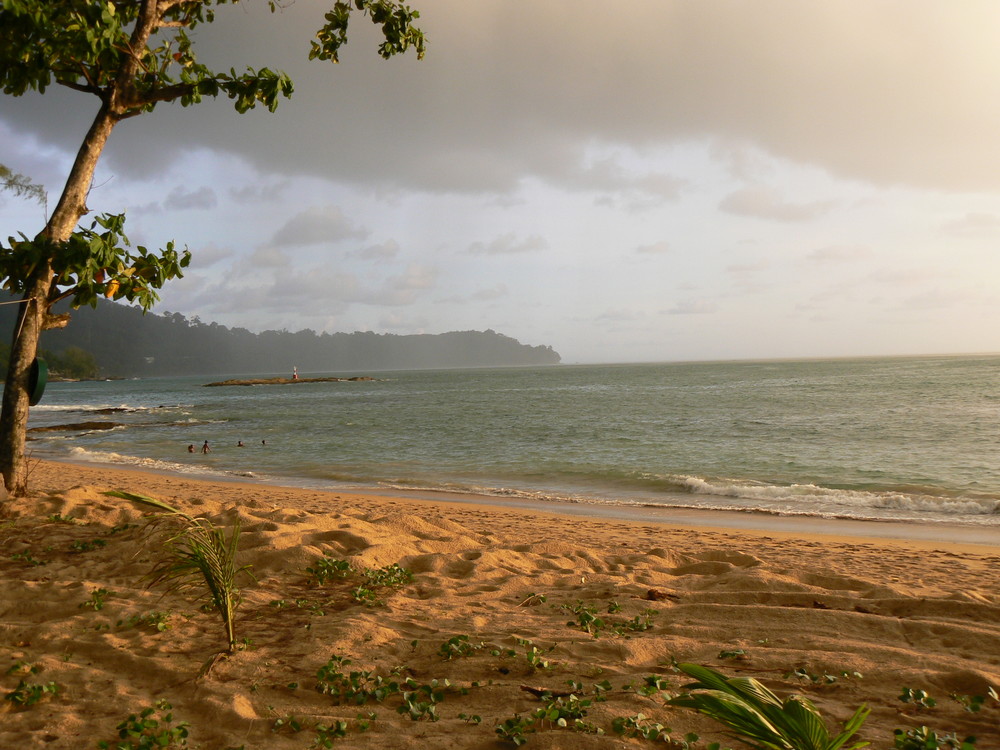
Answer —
887 91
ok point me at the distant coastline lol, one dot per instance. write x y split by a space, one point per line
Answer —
125 343
288 381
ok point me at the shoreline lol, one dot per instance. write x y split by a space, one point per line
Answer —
757 523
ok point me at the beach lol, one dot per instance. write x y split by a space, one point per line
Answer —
503 603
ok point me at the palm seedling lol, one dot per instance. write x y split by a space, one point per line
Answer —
759 717
198 554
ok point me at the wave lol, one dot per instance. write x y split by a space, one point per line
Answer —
153 464
107 408
826 497
700 493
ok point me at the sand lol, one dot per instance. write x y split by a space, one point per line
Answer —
507 588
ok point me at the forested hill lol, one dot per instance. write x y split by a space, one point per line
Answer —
129 344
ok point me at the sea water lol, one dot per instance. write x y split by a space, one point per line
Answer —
907 439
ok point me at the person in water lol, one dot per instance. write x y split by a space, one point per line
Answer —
191 448
205 448
239 444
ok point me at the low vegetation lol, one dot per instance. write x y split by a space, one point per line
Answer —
199 556
196 554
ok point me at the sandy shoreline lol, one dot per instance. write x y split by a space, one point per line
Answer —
701 518
921 613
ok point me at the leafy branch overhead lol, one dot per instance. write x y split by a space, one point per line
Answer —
134 54
95 261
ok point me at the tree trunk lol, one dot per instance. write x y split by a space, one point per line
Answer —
33 315
14 416
117 101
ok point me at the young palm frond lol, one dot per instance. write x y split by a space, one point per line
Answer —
759 717
199 554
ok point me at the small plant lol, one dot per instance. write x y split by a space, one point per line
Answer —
653 685
199 554
421 701
151 728
974 703
759 717
927 739
158 621
586 618
564 711
87 546
23 668
357 686
803 673
390 576
918 698
26 557
28 694
365 595
514 729
57 518
640 726
534 655
96 601
327 733
637 624
328 568
458 646
292 723
735 654
474 719
122 527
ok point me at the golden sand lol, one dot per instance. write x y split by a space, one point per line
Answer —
923 615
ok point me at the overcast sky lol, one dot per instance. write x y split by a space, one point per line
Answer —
643 181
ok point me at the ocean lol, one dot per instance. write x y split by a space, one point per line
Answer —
903 439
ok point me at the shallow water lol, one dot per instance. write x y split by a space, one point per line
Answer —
901 439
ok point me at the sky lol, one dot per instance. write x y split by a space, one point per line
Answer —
656 180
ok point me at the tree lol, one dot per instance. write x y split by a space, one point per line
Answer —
72 362
131 55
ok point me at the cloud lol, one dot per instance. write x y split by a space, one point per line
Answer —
265 256
260 193
483 111
747 269
209 255
656 248
489 295
402 323
907 276
973 224
509 244
764 202
839 254
693 307
182 199
608 176
382 251
318 225
407 287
